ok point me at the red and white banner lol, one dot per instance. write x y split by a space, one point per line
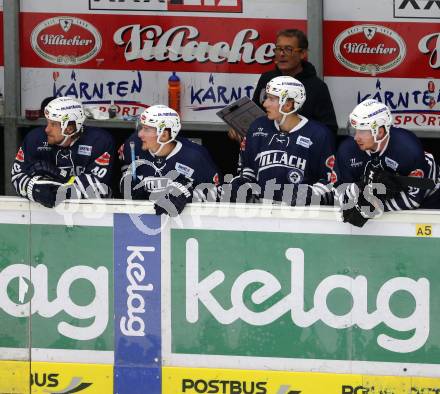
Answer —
391 49
386 50
161 43
124 52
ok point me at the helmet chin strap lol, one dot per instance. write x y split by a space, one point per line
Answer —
162 144
380 142
283 119
67 136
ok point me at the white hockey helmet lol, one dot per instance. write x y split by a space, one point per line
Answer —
162 118
370 115
66 110
285 87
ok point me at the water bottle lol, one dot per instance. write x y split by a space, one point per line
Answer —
174 92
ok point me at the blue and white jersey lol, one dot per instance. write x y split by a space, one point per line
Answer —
403 155
304 155
156 172
89 159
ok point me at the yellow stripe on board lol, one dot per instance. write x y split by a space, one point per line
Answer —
176 380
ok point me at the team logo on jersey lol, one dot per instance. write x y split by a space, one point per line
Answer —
20 156
304 141
184 170
330 162
391 163
369 49
295 175
216 180
333 177
85 150
417 173
104 159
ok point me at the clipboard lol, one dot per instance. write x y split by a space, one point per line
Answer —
240 114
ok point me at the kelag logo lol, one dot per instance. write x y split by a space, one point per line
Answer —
281 285
32 283
426 9
369 49
138 343
65 40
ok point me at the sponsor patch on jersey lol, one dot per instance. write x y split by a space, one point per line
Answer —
85 150
184 170
295 176
104 159
304 141
417 173
260 133
20 155
391 163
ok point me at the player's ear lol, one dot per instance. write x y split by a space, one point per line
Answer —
381 132
71 128
290 105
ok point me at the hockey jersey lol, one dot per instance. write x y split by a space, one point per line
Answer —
403 155
89 159
305 155
156 172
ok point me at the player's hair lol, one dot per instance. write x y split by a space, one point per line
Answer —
303 42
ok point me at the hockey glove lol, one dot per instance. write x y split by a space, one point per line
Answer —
374 173
176 195
43 191
139 191
50 170
358 209
242 190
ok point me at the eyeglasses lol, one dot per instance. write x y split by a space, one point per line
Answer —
287 50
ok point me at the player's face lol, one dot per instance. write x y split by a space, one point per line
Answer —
288 55
272 104
364 139
53 132
148 136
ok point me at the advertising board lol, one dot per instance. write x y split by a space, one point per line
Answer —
391 56
205 380
93 54
263 298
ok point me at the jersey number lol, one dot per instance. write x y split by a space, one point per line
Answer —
99 172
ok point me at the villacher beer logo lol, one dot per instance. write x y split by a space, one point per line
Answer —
369 49
66 40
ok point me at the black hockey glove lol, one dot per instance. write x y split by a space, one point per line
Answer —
242 190
357 209
176 195
43 191
50 170
139 191
374 173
